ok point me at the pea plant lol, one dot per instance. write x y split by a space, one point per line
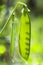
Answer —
21 26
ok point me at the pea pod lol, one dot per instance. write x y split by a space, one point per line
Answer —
25 34
13 37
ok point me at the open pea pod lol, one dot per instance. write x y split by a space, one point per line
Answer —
25 35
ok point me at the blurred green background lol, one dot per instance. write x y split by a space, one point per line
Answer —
36 19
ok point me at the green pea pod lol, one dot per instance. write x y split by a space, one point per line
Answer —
25 33
13 37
